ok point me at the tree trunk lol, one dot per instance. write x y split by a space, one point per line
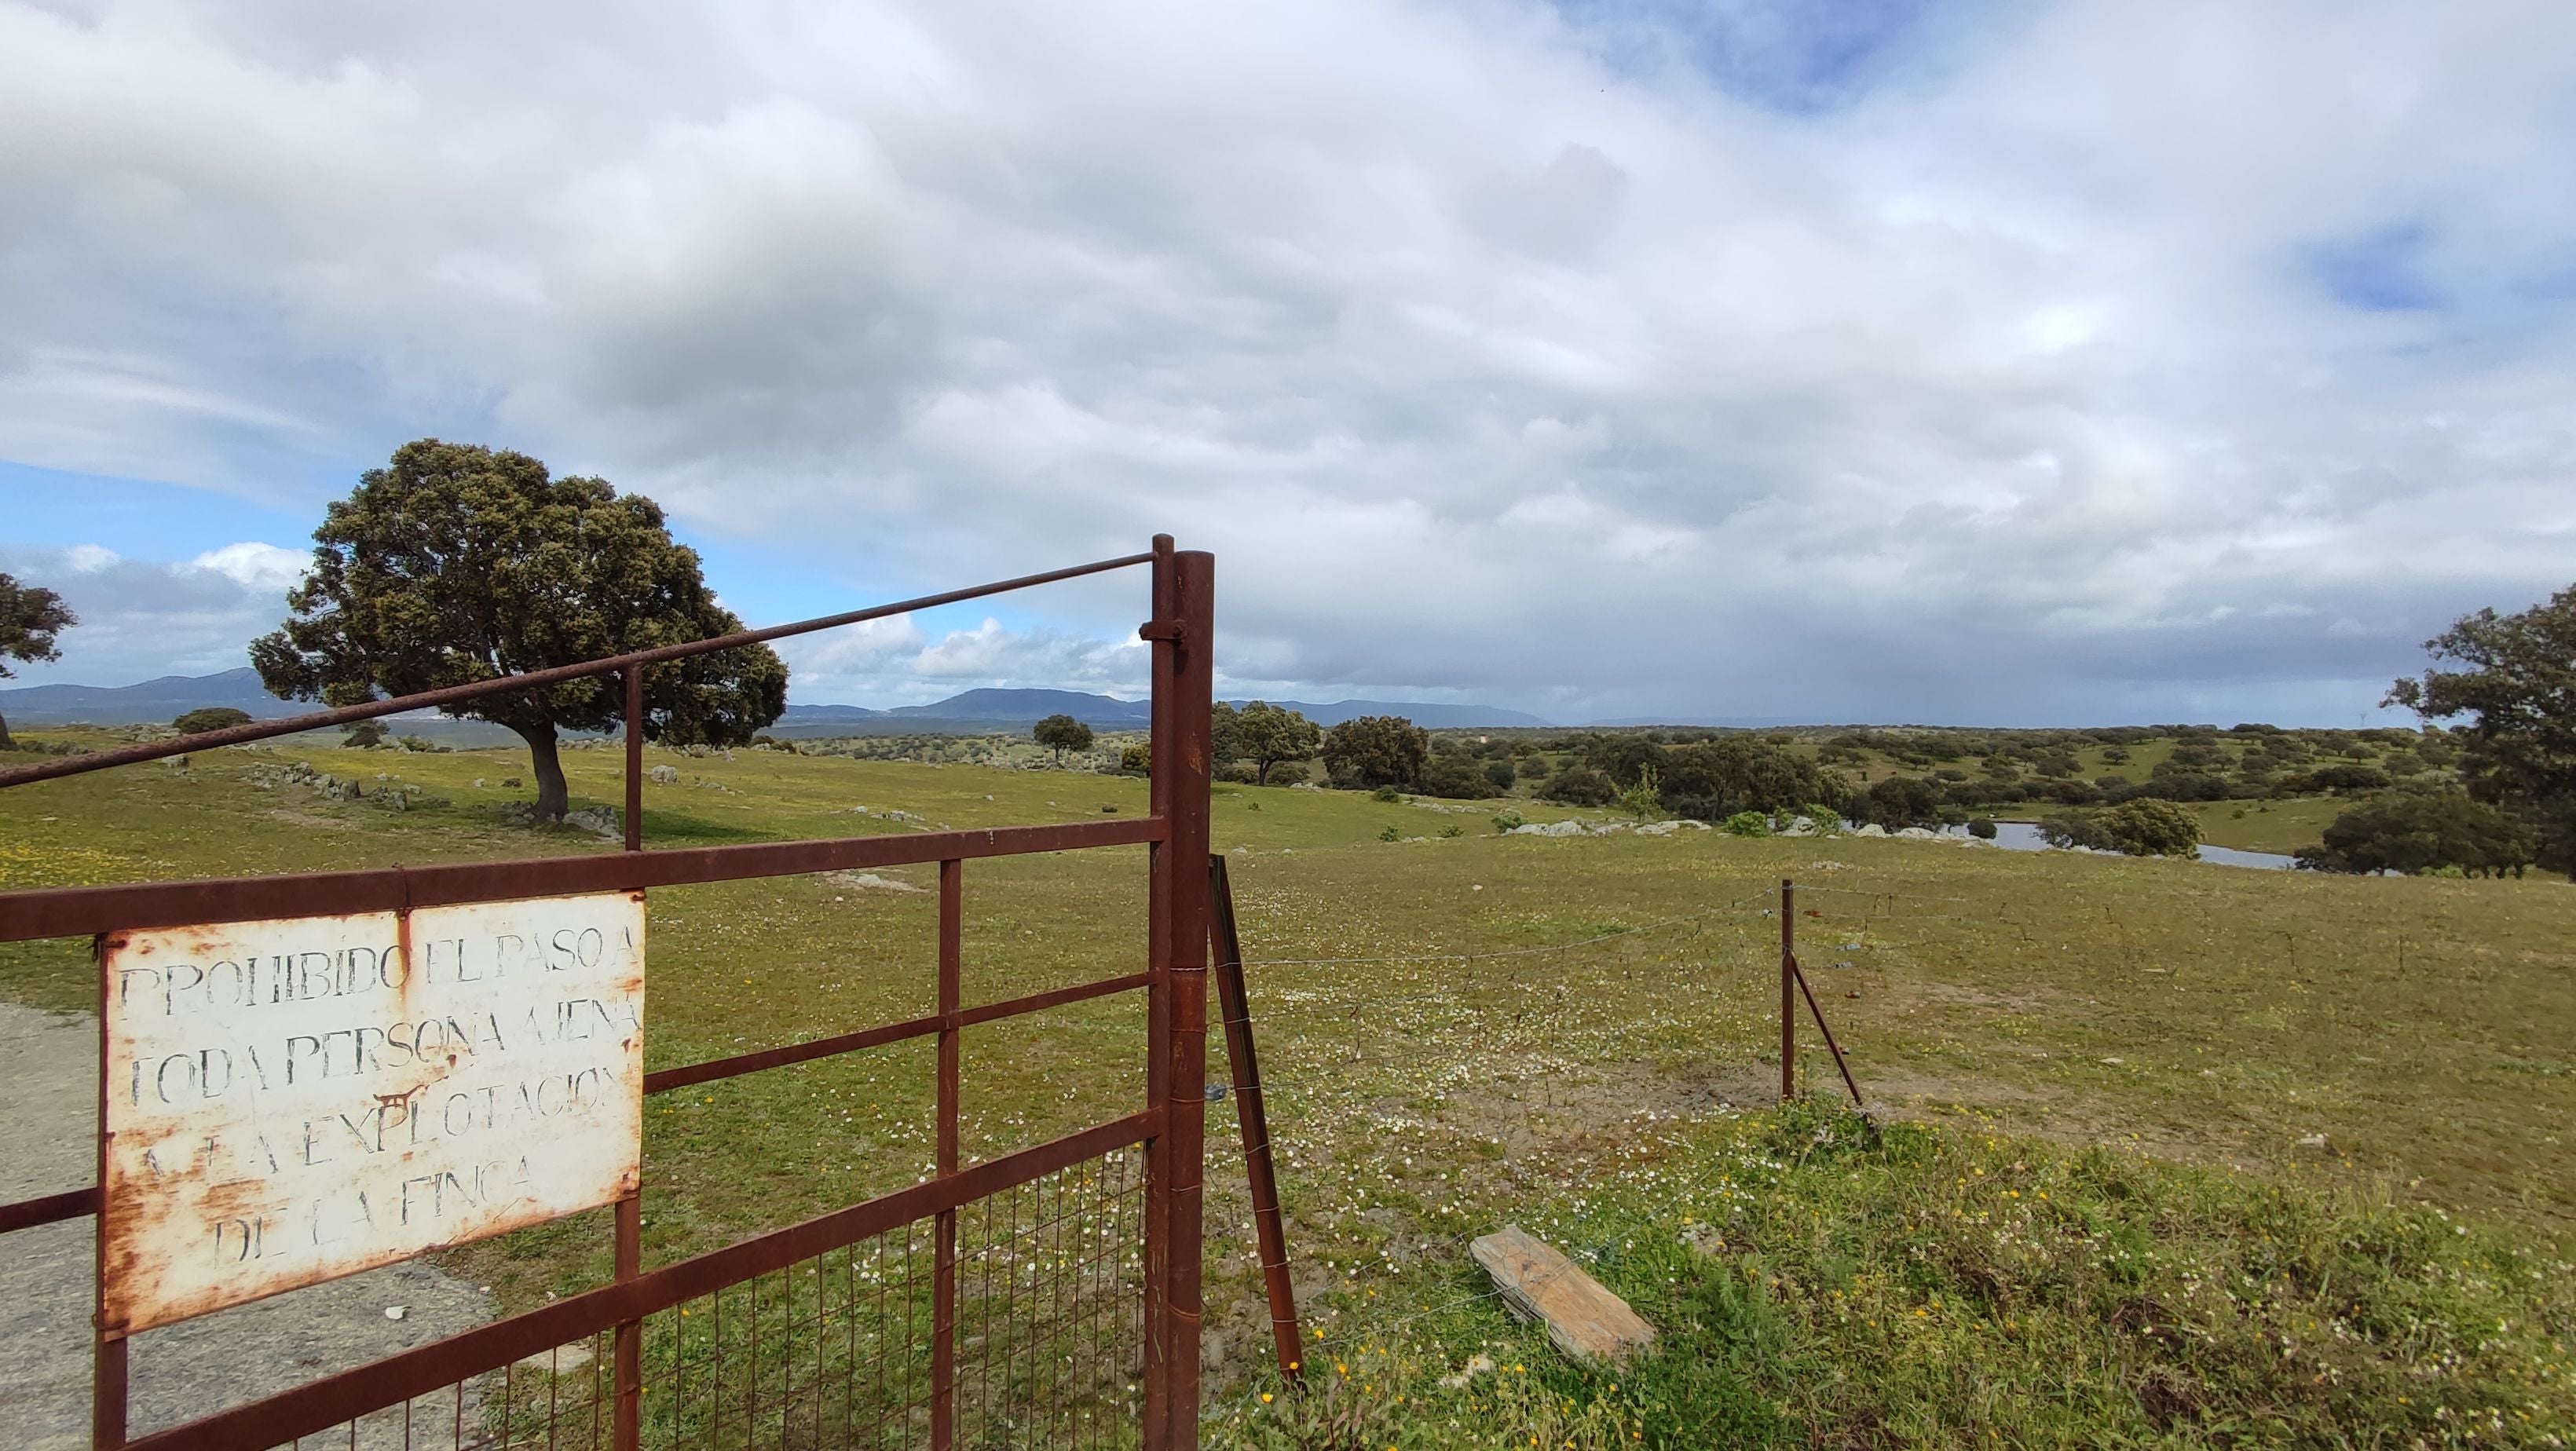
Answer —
552 798
6 744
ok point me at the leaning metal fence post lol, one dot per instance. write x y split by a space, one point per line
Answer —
1253 1115
1788 992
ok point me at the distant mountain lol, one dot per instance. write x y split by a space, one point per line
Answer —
973 712
1031 706
154 702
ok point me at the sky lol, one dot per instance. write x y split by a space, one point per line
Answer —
2013 363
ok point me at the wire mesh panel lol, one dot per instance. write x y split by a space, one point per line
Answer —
1051 1303
835 1351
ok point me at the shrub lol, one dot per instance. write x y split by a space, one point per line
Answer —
1982 827
1536 768
1136 760
1288 773
365 735
1386 793
1453 829
1747 823
1239 773
210 718
1502 773
1390 834
1509 820
1579 786
1643 799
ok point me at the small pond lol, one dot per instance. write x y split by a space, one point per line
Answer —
2024 836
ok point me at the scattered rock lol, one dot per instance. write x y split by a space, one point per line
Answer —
2318 1142
659 776
870 881
395 1312
605 821
1917 833
1873 829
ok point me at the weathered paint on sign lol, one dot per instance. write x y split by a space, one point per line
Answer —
290 1101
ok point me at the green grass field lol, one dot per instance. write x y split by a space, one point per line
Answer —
2146 1042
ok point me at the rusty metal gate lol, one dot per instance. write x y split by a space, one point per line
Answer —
1045 1297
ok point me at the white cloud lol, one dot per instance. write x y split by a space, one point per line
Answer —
145 618
263 568
2083 359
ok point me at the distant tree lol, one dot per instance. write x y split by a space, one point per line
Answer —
1267 734
2412 832
1625 758
1714 779
2143 827
1225 735
1536 768
2516 682
365 735
1376 750
1579 785
1062 733
2336 780
30 617
1457 776
210 718
1502 773
1896 803
1136 760
1982 827
457 564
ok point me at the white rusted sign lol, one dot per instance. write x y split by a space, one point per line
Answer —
293 1100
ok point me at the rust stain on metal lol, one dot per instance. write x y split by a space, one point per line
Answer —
297 1099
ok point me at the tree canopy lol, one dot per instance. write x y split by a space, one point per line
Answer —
31 616
210 718
2420 832
1062 733
1377 750
2514 676
1269 734
458 563
2143 827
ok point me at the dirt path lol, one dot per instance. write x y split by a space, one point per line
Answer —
48 1097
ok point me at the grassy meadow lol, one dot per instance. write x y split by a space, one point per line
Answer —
2178 1153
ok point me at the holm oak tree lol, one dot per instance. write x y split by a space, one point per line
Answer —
458 563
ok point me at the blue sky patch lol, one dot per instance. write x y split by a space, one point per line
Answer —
2379 271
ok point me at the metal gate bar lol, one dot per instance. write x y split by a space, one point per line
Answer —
1170 1128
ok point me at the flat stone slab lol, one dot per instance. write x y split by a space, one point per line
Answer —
1585 1320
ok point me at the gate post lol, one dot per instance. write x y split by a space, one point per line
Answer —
1183 636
